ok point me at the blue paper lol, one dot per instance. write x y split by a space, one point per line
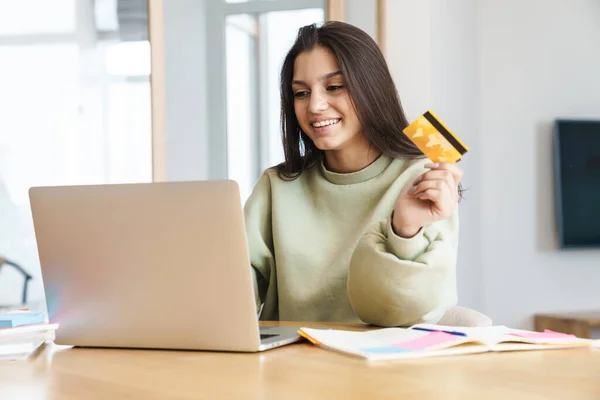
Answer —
11 320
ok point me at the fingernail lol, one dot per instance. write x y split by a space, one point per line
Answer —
432 165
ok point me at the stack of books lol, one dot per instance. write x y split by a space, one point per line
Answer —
22 332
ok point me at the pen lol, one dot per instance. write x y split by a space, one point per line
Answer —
438 330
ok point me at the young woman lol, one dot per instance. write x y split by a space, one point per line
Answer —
355 224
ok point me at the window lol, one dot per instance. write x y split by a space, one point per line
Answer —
75 105
241 50
286 25
29 17
257 36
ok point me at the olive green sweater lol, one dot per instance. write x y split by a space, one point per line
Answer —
323 249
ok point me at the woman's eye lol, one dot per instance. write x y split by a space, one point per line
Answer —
334 88
300 94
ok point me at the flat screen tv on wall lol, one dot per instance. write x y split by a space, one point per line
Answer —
577 182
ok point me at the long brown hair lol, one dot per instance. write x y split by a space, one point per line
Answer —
369 84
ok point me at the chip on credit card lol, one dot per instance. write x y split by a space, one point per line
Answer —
435 139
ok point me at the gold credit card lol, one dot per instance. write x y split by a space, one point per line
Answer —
434 139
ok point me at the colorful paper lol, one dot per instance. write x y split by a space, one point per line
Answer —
429 340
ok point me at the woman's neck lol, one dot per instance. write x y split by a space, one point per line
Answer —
343 162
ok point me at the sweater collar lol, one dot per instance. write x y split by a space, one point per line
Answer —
365 174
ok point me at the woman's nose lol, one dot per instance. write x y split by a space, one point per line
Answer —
318 103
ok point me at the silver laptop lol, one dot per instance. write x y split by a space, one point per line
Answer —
150 265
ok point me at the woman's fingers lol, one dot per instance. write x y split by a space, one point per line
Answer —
439 175
434 195
441 198
454 169
436 184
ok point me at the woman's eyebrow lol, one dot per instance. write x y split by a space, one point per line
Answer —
322 78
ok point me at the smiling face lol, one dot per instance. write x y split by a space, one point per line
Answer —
322 103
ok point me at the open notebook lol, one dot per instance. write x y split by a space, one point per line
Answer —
425 340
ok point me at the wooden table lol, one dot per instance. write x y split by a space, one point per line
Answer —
298 371
577 323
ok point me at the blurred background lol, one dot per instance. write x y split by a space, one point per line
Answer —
114 91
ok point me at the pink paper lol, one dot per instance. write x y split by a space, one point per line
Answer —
547 334
431 339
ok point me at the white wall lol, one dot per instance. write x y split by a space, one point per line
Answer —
540 60
363 13
185 82
455 99
433 60
499 73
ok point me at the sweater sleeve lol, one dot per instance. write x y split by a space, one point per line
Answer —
393 281
257 214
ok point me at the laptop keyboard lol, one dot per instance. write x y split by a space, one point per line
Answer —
264 336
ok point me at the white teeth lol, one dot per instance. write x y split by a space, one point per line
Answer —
325 123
